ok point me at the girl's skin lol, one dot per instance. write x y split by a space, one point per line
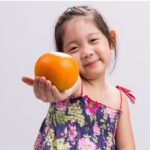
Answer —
89 46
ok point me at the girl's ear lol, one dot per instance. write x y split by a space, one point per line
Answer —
113 35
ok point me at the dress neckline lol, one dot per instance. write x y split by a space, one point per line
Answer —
100 103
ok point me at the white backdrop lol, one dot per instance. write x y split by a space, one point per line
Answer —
26 32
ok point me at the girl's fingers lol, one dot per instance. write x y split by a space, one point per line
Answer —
48 91
56 94
35 86
28 80
41 87
45 91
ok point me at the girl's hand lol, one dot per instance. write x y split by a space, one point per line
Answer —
45 91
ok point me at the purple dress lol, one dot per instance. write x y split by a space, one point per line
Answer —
79 123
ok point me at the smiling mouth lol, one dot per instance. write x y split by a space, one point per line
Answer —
91 64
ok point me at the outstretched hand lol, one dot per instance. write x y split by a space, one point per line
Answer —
45 91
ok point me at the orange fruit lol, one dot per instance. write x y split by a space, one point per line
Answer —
60 68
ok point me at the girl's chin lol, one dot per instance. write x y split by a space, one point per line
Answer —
93 75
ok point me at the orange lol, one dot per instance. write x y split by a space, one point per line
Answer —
60 68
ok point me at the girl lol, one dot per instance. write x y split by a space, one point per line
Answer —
92 115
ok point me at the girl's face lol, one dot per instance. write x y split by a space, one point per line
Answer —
88 45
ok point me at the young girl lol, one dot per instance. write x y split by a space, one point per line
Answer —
92 115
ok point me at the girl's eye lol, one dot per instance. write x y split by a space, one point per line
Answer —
93 40
73 48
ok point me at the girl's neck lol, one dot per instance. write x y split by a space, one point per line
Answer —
97 89
98 84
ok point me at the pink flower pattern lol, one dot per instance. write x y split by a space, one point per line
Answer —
61 105
72 133
91 106
86 144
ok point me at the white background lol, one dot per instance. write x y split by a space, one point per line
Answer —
26 32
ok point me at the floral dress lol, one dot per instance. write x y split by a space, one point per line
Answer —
79 123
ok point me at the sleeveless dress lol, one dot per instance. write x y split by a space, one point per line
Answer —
80 123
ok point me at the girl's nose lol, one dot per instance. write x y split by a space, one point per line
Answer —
87 51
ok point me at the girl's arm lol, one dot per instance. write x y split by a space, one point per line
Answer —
124 134
45 91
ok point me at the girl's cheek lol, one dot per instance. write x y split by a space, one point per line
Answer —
75 57
77 60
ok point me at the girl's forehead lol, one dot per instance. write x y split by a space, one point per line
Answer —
78 29
76 19
80 23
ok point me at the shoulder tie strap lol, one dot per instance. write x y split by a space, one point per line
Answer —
127 92
81 89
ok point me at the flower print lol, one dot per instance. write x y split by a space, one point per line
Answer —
59 117
109 113
80 119
108 146
108 141
75 122
48 116
74 109
46 129
110 137
96 129
62 134
50 137
38 145
72 133
91 106
75 113
61 144
86 144
61 105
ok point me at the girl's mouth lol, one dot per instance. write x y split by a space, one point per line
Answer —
91 64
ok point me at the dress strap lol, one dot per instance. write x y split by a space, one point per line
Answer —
127 92
120 100
81 89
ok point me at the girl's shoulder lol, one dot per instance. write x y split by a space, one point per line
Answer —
119 95
114 97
